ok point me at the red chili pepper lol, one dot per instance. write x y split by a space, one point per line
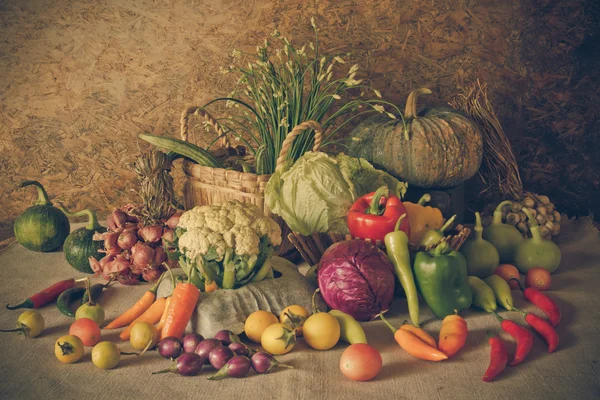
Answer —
543 302
523 336
544 328
45 296
498 358
375 215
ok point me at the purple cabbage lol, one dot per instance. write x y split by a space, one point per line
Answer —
357 278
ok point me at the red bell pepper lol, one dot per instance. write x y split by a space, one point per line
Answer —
375 215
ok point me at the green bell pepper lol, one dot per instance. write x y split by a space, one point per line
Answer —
441 276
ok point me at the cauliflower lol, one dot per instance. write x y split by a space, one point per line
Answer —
227 242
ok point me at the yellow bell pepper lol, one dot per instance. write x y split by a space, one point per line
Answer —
422 219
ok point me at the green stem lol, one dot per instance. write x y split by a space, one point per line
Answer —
92 218
154 288
478 226
399 222
534 227
42 195
385 321
447 224
490 334
498 212
314 301
518 283
426 198
497 316
228 271
21 330
442 248
374 207
25 304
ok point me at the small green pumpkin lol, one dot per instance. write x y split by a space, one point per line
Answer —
80 245
42 227
436 148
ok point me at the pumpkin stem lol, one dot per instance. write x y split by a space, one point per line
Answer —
42 195
411 103
426 198
92 218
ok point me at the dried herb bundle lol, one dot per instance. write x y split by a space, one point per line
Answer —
155 187
499 170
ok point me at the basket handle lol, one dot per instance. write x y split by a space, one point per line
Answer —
185 116
289 140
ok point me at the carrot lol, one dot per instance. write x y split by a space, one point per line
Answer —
182 305
163 317
138 308
210 287
151 315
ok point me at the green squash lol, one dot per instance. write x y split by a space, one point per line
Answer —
42 227
436 148
504 237
80 245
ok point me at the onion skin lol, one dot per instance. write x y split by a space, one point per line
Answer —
174 220
126 240
110 222
159 258
143 255
151 274
110 243
151 234
120 218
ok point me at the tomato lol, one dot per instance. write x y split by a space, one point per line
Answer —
92 311
506 272
538 278
321 331
68 349
257 322
106 355
144 334
278 339
31 323
360 362
294 316
87 330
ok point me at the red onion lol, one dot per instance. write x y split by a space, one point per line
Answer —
151 234
126 240
110 243
110 222
159 256
95 265
168 237
143 255
174 220
151 274
120 218
106 259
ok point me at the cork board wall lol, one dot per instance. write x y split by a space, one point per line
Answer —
79 80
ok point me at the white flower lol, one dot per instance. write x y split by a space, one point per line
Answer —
356 139
377 93
224 71
392 116
329 69
301 51
312 22
353 69
229 104
336 96
236 53
311 45
284 122
339 59
329 75
353 82
322 62
275 33
379 108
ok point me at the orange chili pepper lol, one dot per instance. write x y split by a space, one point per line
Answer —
182 305
151 315
420 333
414 345
163 317
453 334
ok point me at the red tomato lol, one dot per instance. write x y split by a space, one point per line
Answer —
538 278
87 330
360 362
506 272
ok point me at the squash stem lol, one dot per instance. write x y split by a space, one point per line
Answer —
92 218
478 226
534 228
42 195
410 110
498 212
447 224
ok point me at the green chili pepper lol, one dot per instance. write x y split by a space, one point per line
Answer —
95 291
501 290
66 297
483 295
396 244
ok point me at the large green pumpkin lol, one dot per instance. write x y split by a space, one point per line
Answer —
80 244
437 148
41 227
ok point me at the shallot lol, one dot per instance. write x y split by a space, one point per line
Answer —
174 220
143 256
120 218
151 234
127 239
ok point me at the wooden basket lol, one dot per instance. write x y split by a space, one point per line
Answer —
206 185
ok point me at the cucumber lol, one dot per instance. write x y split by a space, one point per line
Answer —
183 148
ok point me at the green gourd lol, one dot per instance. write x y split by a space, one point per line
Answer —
41 227
433 236
482 257
504 237
536 251
80 245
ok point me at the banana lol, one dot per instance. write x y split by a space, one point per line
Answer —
351 331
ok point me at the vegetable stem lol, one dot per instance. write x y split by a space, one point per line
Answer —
385 321
42 195
375 208
92 218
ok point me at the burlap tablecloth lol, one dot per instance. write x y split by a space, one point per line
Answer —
29 370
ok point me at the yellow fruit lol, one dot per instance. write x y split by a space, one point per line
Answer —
257 322
144 334
68 349
278 339
106 355
321 331
294 316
